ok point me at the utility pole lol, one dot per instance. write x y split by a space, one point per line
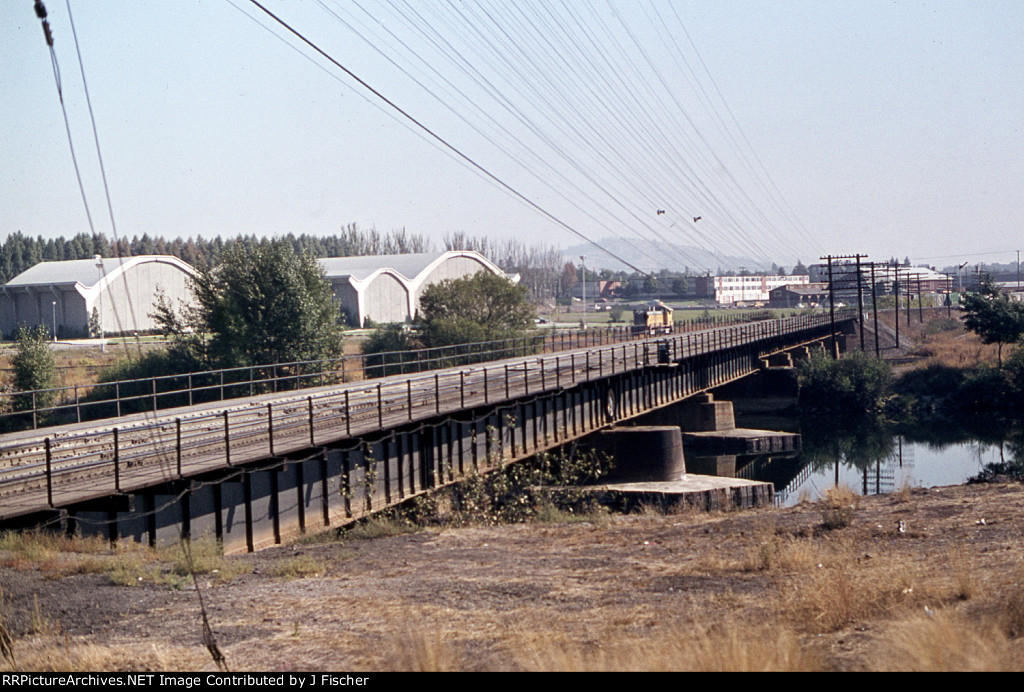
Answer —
583 271
874 308
896 292
920 301
831 306
99 297
860 302
832 296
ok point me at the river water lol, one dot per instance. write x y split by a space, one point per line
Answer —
872 457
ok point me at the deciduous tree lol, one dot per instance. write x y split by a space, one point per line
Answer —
34 368
483 307
990 314
260 304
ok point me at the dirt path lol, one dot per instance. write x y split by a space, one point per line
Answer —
769 588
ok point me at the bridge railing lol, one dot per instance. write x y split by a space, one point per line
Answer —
77 403
46 470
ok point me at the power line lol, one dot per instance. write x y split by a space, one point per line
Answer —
442 140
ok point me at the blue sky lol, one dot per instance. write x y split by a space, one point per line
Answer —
804 128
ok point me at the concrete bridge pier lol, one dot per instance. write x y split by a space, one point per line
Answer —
699 413
642 453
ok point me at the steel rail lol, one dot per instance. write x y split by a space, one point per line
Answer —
61 466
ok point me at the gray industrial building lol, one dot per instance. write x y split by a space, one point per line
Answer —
64 295
387 288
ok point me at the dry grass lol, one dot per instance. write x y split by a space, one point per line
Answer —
763 590
422 650
1011 612
905 493
126 563
847 585
838 507
940 340
944 641
961 565
732 647
35 547
379 526
298 567
57 652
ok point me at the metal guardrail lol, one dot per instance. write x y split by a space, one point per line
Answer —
69 465
78 403
60 405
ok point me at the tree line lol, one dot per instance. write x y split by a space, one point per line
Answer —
539 266
20 252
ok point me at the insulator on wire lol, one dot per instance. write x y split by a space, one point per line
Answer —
41 13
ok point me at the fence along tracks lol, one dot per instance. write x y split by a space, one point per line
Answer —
70 464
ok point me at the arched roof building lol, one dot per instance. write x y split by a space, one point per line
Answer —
122 291
387 288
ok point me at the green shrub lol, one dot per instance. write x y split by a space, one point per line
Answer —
935 382
857 382
391 350
984 389
1014 368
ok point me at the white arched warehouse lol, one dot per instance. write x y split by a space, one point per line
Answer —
120 291
387 288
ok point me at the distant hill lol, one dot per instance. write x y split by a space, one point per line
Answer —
649 256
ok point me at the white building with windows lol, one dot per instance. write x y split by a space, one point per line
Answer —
730 290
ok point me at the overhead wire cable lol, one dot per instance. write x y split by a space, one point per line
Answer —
164 461
504 148
631 83
715 160
134 325
41 12
598 137
679 162
440 139
797 223
522 77
639 121
595 99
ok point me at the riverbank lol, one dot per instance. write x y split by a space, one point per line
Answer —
915 580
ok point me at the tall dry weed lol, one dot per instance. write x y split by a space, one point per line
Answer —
422 650
1011 608
962 568
942 641
838 592
838 506
733 647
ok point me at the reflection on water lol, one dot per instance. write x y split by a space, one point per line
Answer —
873 457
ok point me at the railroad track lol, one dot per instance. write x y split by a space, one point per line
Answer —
65 465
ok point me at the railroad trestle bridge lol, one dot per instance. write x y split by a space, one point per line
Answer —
256 471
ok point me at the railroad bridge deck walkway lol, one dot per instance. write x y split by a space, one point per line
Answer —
331 454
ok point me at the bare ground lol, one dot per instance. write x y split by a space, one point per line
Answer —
625 592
